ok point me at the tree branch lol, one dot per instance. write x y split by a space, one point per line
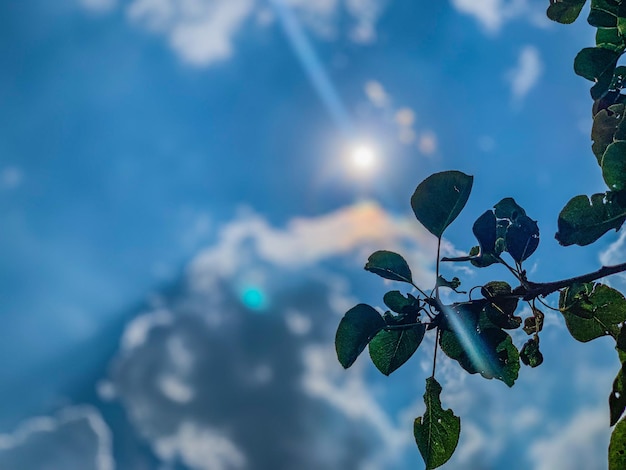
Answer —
542 289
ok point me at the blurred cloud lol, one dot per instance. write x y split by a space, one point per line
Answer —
575 445
211 381
200 31
491 14
10 178
203 32
76 439
525 75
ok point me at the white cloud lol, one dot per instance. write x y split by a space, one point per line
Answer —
201 448
579 444
492 14
525 75
136 331
306 241
76 439
203 32
615 252
427 143
200 31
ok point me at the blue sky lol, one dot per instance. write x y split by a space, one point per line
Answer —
183 226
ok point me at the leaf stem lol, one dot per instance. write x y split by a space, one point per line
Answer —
435 354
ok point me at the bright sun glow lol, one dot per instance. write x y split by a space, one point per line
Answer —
363 157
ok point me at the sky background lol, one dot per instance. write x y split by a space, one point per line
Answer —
183 226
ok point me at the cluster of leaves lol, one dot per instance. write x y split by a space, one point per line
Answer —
585 219
474 332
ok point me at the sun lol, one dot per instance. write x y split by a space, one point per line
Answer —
363 158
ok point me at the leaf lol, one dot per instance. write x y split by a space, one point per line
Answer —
614 166
601 19
534 324
439 199
617 398
389 265
592 311
454 284
507 208
437 432
530 354
582 221
484 230
604 127
522 238
593 63
390 349
565 11
396 301
489 351
617 447
500 309
356 329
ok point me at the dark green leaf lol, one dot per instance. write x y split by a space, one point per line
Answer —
522 238
614 166
530 354
439 199
601 19
565 11
454 284
390 349
437 432
582 221
500 309
507 208
356 329
389 265
593 63
592 312
488 351
396 301
603 130
617 398
617 447
485 232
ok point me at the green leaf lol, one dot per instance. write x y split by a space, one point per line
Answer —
614 166
356 329
454 284
601 19
565 11
594 62
617 447
437 432
484 230
507 208
439 199
592 310
603 130
390 349
530 354
609 38
582 221
617 398
479 347
389 265
396 301
522 238
500 309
